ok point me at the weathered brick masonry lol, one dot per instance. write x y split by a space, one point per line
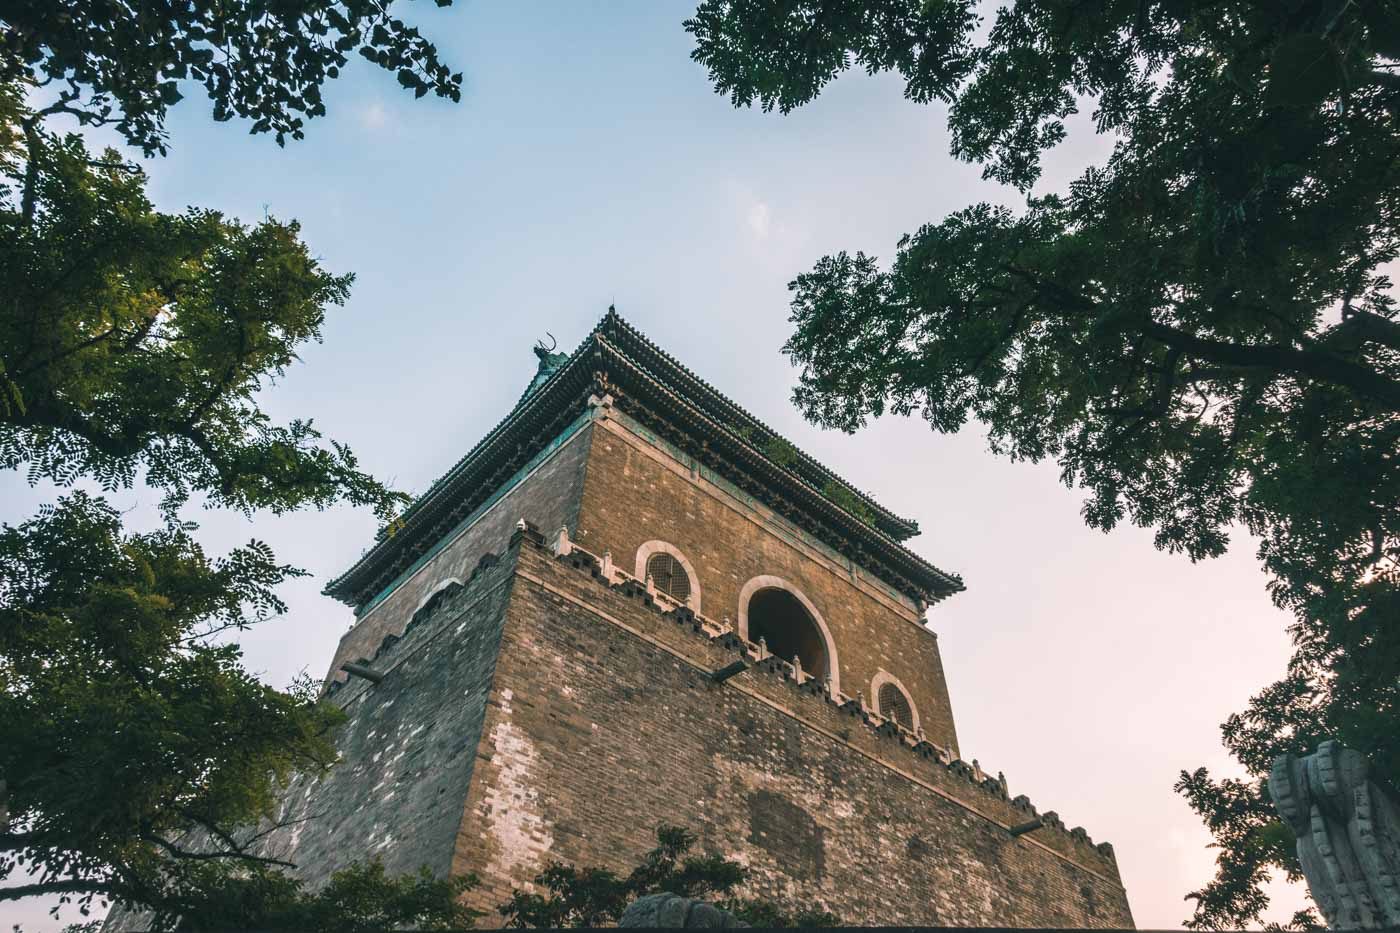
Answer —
603 721
545 492
639 488
545 698
410 742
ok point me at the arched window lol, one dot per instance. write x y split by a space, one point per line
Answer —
892 700
773 610
895 705
670 571
669 576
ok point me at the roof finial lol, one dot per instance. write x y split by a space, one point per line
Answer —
542 351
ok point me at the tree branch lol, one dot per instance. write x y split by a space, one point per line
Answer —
67 351
176 852
1312 364
83 116
1323 367
73 886
32 144
1365 327
1167 384
44 414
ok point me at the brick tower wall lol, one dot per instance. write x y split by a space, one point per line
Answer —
546 492
639 488
409 744
541 708
602 723
407 748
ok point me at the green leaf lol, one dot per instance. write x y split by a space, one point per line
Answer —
122 61
1303 71
1383 26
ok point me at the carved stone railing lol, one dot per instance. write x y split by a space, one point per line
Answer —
1348 830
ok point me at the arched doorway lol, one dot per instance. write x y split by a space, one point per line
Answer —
772 609
777 617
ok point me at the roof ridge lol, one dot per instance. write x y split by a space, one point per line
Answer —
530 390
827 473
614 337
802 480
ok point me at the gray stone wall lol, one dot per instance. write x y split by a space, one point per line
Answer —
408 747
547 493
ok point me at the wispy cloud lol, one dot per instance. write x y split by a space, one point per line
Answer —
373 116
768 228
760 220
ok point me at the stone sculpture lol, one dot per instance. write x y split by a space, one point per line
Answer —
671 911
1348 830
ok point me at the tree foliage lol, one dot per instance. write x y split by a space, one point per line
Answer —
140 761
132 338
130 739
359 899
594 897
124 64
1202 331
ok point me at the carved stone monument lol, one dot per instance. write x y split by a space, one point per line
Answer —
1348 830
671 911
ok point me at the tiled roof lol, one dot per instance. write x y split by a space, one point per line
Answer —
653 386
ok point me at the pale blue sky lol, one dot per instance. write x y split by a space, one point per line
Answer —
590 163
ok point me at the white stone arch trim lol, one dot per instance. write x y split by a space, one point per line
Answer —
769 582
437 588
644 554
883 677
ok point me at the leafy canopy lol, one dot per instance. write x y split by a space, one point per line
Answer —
359 899
140 761
594 897
128 736
1202 331
125 63
139 339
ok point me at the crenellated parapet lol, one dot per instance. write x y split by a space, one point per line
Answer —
987 793
442 603
909 747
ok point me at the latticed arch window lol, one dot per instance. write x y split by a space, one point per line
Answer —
669 576
895 705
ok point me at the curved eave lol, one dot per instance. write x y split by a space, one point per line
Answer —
805 505
667 368
655 383
514 440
